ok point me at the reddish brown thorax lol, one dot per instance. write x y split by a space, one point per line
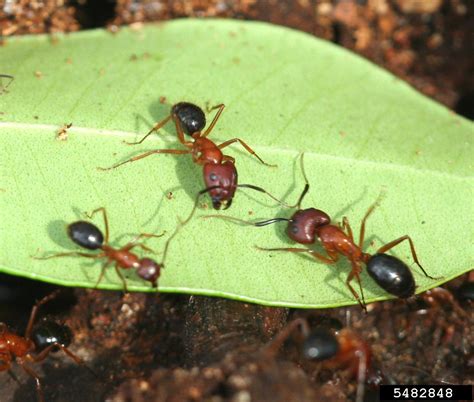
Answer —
124 258
205 151
303 224
334 240
11 344
224 178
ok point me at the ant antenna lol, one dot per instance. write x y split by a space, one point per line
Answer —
306 186
181 223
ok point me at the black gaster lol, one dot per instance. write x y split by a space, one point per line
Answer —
48 333
321 344
392 275
86 235
191 117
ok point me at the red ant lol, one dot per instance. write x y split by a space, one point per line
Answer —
390 273
36 345
89 236
335 349
3 88
219 170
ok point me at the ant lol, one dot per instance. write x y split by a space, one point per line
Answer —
36 345
305 225
3 88
218 169
335 349
89 236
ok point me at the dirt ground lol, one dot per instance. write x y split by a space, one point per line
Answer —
189 348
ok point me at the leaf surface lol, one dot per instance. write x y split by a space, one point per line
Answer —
363 131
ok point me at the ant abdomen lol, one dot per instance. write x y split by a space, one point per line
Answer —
48 333
321 344
86 235
392 275
303 224
190 116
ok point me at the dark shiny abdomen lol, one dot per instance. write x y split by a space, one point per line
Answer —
392 275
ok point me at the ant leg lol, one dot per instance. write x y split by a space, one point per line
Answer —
70 254
395 242
347 227
364 219
156 127
221 107
106 221
102 273
32 373
180 132
3 329
135 243
138 157
355 272
327 260
247 148
272 347
119 273
34 312
45 353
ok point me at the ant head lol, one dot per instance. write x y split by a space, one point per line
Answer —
149 270
86 235
48 333
303 224
224 178
191 117
392 275
320 344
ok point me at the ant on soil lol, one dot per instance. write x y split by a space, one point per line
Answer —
89 236
3 88
335 349
36 345
218 169
305 225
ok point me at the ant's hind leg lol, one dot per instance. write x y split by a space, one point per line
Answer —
146 154
221 107
396 242
32 373
156 127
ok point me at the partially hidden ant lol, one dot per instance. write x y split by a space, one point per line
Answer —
3 88
36 345
341 349
219 170
307 225
89 236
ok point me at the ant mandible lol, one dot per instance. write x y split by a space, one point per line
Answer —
36 345
219 170
340 349
89 236
305 225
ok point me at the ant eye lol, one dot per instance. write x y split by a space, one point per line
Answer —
213 176
294 229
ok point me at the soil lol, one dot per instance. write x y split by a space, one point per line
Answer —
187 348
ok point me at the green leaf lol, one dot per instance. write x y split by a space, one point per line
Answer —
362 129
